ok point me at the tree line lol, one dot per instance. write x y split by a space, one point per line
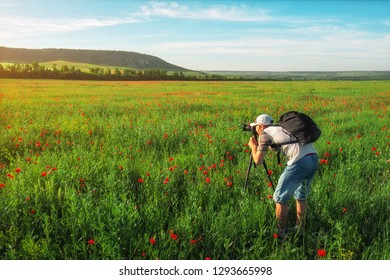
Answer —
37 71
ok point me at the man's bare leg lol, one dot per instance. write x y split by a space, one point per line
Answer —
281 212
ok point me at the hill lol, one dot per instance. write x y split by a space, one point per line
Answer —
97 57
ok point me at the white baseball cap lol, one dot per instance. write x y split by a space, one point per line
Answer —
263 119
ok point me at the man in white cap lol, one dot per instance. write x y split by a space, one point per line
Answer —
302 164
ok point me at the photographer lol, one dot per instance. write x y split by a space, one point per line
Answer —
302 164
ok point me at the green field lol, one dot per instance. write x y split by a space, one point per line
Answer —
155 170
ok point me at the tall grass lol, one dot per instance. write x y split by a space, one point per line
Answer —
133 170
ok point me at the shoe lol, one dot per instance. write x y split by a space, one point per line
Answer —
282 235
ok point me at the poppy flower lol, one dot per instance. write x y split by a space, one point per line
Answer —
208 180
43 174
91 242
173 236
321 253
2 185
140 180
152 240
17 170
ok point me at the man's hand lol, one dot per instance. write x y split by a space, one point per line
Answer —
252 143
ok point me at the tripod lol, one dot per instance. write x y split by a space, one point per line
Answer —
254 165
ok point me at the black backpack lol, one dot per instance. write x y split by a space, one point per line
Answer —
300 126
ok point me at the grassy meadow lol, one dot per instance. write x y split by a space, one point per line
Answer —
156 170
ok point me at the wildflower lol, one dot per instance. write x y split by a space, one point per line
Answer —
10 175
193 241
2 185
229 184
140 180
173 236
321 253
345 210
91 242
323 161
17 170
269 196
207 258
208 180
275 235
33 212
152 240
143 254
171 159
269 184
43 174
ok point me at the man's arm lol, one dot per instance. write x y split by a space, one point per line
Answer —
258 156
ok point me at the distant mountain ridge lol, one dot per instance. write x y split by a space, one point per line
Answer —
98 57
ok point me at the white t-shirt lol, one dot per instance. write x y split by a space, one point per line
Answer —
276 135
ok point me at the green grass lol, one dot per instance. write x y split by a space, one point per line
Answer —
125 162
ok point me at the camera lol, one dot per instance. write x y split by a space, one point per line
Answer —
246 127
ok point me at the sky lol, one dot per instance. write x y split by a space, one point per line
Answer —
262 35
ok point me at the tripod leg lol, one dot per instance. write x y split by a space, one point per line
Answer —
249 170
269 176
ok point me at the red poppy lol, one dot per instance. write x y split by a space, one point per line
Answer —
2 185
207 258
270 172
152 240
321 253
193 241
140 180
275 235
208 180
229 184
17 170
43 174
269 196
91 242
33 212
173 236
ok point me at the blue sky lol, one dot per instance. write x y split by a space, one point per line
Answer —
263 35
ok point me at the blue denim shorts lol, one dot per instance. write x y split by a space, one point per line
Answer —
296 178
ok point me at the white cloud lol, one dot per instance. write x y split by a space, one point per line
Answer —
29 26
181 11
